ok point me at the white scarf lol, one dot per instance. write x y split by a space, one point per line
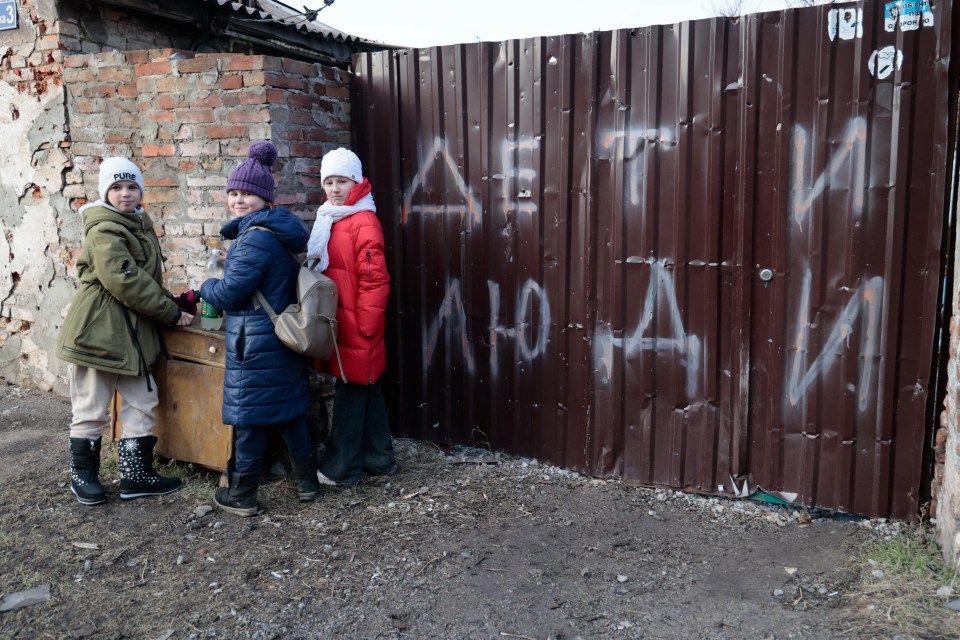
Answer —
327 215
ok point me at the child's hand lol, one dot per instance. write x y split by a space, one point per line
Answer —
185 319
187 301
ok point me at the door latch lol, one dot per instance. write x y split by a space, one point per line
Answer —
766 274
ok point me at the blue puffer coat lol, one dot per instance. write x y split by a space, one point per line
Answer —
265 383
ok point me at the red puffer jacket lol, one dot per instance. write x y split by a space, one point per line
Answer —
359 268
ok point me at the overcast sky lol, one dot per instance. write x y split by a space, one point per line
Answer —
422 23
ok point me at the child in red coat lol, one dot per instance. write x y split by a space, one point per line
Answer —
347 241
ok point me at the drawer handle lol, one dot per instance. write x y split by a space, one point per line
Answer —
213 349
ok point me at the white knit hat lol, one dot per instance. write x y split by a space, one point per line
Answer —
116 169
341 162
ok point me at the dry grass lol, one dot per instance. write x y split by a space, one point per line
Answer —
897 594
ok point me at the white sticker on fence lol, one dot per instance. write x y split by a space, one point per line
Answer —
885 61
846 22
909 14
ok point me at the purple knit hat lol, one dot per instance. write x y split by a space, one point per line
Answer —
253 174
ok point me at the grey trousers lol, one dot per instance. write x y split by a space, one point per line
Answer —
90 394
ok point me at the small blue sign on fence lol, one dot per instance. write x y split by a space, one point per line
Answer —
8 14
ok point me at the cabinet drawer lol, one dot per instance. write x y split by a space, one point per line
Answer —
196 345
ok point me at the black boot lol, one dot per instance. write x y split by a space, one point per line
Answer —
85 471
138 478
305 475
240 497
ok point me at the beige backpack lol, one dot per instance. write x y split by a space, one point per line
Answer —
308 326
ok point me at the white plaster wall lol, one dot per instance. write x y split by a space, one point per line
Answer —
33 288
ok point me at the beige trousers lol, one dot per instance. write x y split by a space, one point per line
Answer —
90 394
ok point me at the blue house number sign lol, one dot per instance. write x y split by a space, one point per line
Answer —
8 14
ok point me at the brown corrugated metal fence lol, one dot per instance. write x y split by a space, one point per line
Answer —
702 255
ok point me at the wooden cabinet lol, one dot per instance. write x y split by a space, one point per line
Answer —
190 386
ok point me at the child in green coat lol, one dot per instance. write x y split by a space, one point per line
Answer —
110 336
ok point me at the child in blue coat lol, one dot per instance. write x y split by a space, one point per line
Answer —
266 385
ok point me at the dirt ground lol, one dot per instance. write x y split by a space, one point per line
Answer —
464 543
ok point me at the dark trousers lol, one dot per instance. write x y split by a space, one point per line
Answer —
359 439
251 443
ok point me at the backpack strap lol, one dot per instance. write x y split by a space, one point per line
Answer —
302 263
262 301
268 230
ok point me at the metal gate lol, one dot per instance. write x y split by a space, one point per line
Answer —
703 255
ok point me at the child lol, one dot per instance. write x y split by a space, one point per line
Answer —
110 337
348 242
266 384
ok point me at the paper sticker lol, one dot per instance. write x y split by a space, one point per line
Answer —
885 61
846 22
909 14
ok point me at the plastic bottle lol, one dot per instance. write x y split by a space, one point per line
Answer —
211 318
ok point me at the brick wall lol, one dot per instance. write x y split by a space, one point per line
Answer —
31 56
85 30
38 235
186 119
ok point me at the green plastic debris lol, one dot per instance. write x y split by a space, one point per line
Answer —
762 496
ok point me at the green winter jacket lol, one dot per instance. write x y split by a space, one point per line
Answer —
112 322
